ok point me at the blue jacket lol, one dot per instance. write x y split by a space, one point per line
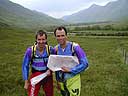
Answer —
83 62
39 62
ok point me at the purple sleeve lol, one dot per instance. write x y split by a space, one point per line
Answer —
52 50
25 64
83 62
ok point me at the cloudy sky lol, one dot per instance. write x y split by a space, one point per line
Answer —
59 8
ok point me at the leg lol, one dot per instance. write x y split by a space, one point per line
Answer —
64 90
34 90
48 86
74 85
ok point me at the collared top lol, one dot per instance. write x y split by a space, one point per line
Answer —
39 61
83 62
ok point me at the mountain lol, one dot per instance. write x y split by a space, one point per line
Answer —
113 11
12 14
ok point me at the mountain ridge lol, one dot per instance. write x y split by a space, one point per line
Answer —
113 11
16 15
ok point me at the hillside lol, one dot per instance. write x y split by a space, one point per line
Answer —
113 11
12 14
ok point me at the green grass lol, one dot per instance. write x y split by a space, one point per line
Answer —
106 75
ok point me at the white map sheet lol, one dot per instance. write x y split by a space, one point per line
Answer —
55 62
38 78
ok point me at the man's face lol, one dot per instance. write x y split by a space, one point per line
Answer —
41 41
61 36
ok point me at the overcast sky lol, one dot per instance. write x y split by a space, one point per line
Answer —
59 8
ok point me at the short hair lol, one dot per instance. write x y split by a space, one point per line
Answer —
60 28
41 33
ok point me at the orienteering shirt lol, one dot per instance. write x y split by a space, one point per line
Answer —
39 61
83 62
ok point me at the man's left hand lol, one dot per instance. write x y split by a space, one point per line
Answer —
48 72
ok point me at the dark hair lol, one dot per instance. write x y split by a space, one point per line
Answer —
41 33
60 28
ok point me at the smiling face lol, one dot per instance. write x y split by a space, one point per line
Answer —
41 40
61 37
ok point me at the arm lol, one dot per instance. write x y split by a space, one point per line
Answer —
25 64
25 67
83 62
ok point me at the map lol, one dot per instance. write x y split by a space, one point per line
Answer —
55 62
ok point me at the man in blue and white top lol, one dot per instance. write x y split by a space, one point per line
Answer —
69 78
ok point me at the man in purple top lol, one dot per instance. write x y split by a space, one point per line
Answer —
69 78
37 57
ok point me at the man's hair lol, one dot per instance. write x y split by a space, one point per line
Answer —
41 33
60 28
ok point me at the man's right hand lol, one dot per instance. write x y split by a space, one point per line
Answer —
26 84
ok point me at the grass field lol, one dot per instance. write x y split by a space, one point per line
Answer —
106 75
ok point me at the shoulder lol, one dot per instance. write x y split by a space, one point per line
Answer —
76 47
56 47
74 44
51 47
29 49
